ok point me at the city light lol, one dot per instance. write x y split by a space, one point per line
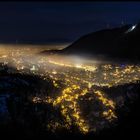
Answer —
80 82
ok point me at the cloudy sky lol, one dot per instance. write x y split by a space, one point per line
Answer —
55 22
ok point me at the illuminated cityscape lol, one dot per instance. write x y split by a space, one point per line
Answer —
75 84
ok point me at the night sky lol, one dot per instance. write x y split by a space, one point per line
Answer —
60 22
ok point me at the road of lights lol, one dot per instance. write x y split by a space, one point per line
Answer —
79 81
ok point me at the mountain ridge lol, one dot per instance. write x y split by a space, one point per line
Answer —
120 42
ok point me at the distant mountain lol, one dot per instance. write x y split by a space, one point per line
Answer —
51 52
122 42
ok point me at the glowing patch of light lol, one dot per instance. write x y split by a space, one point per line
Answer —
131 29
54 72
33 68
78 66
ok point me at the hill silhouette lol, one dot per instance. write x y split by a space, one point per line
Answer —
122 42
